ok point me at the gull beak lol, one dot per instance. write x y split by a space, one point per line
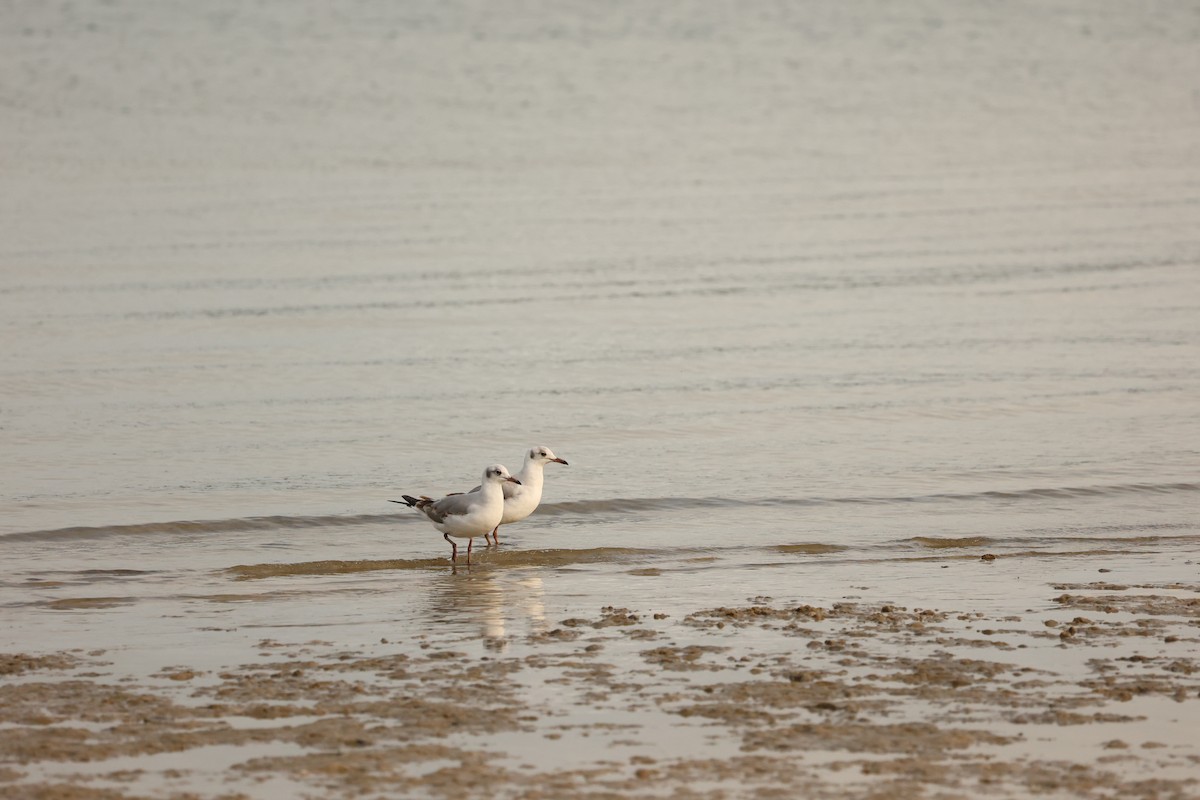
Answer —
511 479
560 461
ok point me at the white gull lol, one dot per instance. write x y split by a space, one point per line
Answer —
522 498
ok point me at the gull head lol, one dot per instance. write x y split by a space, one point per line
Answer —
543 455
497 473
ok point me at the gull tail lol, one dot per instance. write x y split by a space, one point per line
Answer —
411 502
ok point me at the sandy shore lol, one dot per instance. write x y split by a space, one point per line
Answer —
1099 698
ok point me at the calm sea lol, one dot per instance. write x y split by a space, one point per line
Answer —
811 296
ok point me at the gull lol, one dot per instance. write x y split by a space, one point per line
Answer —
521 499
465 516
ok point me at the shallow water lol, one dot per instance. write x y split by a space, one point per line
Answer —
818 303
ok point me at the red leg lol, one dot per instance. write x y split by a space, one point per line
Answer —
454 552
470 542
495 536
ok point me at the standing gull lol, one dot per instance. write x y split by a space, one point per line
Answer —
465 516
521 499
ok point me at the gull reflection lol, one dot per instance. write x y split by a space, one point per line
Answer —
500 604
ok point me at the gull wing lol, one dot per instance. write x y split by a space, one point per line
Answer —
453 505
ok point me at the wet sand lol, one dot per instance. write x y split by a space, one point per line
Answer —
1095 694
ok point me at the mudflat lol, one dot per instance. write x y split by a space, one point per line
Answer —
1095 695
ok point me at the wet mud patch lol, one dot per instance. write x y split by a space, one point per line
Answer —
1105 586
810 548
482 559
406 770
18 663
248 572
88 603
910 739
1152 605
682 658
940 543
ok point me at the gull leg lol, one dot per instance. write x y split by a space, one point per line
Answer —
454 552
470 542
495 536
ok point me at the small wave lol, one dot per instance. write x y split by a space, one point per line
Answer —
114 573
619 505
585 507
207 526
1096 551
628 504
1038 493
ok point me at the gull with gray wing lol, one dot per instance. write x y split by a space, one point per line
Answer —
465 516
